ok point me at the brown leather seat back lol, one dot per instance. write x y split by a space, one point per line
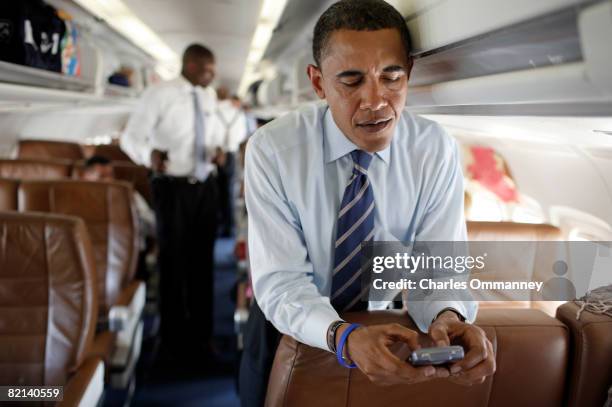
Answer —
34 169
107 209
511 231
591 375
47 298
8 194
112 152
531 353
518 266
137 175
58 150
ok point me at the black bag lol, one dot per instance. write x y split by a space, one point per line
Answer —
31 34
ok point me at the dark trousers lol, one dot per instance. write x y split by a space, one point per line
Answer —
226 199
260 342
186 228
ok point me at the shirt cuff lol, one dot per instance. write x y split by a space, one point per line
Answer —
318 322
467 309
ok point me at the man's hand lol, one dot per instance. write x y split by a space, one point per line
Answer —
479 360
220 157
369 347
158 161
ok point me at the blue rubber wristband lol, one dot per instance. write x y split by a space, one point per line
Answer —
341 344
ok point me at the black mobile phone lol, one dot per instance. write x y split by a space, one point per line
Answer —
436 356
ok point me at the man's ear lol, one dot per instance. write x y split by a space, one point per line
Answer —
409 67
316 79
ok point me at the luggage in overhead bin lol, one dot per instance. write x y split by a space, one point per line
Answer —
31 33
71 64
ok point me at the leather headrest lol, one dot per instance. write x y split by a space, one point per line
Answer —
511 231
34 169
50 149
112 152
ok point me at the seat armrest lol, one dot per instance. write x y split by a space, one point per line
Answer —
590 374
103 346
125 317
128 307
118 317
127 295
85 387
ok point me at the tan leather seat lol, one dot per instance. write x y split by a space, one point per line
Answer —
591 356
136 175
522 266
531 349
34 169
48 306
112 152
58 150
511 231
8 194
110 218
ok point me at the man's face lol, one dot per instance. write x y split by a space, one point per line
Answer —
99 172
202 71
364 78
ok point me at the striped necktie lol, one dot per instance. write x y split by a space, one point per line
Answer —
200 169
355 225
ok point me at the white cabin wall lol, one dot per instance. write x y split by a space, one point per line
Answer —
550 168
79 124
560 178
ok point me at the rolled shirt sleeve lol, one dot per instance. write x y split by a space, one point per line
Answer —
281 272
443 220
136 139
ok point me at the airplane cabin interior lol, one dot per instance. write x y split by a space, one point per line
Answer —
523 88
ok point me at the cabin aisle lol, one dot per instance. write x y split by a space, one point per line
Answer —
167 380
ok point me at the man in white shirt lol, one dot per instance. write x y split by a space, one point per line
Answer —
174 130
234 123
329 176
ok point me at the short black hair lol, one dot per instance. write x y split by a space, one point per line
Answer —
96 160
359 15
198 51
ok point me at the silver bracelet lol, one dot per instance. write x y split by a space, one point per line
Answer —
331 334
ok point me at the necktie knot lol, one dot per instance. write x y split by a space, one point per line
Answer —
361 159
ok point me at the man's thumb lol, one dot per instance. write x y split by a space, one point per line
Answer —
439 335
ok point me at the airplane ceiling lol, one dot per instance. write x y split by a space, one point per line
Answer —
225 26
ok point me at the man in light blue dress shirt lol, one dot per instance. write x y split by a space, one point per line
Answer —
297 169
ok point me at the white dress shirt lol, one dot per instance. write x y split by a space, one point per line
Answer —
297 168
234 122
164 120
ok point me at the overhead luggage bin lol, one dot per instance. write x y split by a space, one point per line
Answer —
535 58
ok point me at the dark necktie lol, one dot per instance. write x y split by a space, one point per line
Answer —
355 225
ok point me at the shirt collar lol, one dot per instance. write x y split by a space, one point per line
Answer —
208 98
181 80
338 145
